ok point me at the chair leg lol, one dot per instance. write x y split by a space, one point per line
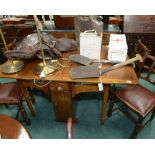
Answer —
152 116
32 99
31 96
24 113
17 115
111 101
137 128
110 110
69 128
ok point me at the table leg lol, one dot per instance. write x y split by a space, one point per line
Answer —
104 103
62 101
27 98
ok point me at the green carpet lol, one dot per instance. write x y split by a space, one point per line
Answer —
87 108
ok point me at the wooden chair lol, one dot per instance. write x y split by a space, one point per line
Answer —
138 99
12 129
10 94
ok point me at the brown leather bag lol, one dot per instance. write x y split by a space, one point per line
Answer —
29 47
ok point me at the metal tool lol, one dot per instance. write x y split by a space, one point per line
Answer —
95 71
86 61
11 66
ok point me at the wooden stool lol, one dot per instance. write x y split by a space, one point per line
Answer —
12 129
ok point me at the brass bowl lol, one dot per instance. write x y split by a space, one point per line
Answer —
12 66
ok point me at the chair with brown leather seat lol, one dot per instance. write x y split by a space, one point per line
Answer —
12 129
10 94
137 98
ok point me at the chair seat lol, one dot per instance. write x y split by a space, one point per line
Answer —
137 98
12 129
9 93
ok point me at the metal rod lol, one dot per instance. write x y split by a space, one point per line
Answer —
38 26
6 48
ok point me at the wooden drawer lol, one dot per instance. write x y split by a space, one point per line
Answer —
9 32
17 32
64 22
60 86
25 32
8 40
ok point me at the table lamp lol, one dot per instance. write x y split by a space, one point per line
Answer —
44 68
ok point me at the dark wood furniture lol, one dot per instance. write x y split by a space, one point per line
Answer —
12 129
61 33
115 20
139 27
63 22
138 99
12 34
10 94
64 27
15 32
63 86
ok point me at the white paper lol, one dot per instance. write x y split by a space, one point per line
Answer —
100 86
117 47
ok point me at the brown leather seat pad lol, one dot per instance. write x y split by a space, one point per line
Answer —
12 129
137 98
9 93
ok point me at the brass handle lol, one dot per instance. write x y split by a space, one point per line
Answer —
59 88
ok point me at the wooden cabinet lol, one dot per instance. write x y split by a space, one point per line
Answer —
64 22
139 27
147 38
63 33
12 32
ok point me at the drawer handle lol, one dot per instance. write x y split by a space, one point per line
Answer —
59 88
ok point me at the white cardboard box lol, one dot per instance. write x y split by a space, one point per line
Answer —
90 44
117 47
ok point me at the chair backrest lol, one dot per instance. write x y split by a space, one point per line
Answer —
141 49
150 69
